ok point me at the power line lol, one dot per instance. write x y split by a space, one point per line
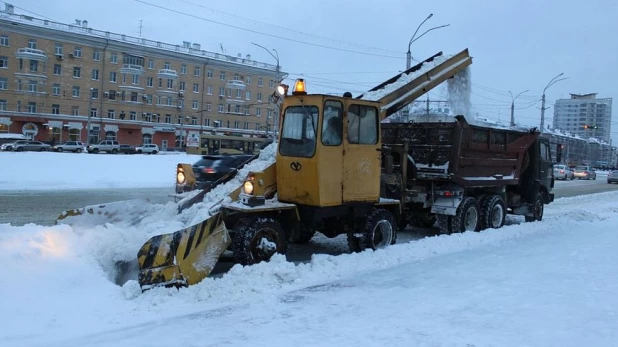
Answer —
265 34
288 29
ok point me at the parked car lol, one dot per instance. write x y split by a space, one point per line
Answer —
563 172
127 149
612 177
108 146
212 168
585 172
70 146
31 146
10 145
148 148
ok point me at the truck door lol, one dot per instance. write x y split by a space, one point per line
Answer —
361 154
546 167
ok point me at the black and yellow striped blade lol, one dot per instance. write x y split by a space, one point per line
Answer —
185 257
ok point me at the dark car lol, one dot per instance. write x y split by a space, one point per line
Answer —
213 168
127 149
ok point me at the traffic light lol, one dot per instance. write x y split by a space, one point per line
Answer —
559 148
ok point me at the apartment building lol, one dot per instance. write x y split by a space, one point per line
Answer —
62 82
584 115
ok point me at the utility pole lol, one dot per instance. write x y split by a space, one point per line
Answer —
89 117
276 116
513 106
553 80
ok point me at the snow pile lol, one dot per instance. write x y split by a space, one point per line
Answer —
404 79
61 171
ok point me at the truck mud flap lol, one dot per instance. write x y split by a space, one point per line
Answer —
184 257
446 205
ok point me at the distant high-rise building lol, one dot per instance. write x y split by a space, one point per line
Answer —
584 115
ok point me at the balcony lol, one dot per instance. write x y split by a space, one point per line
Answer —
235 101
167 73
31 53
235 84
132 69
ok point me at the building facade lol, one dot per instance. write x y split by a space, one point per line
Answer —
61 82
584 115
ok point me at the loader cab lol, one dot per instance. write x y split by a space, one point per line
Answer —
329 150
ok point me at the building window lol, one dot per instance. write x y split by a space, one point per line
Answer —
238 93
249 80
4 83
209 90
197 71
248 95
77 53
112 76
75 110
194 104
183 69
4 62
75 91
149 82
258 112
94 93
31 107
77 72
2 105
96 55
114 58
168 118
55 109
208 107
56 89
95 74
32 43
170 83
4 41
259 96
19 87
220 108
196 87
150 64
206 122
167 65
135 79
111 114
182 86
133 115
209 73
110 135
222 76
271 84
246 111
32 86
94 112
57 69
34 66
221 91
260 82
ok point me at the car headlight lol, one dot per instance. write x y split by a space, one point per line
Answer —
248 187
180 177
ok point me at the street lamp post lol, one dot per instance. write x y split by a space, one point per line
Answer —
89 116
553 80
513 106
276 56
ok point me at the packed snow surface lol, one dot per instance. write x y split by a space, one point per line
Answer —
548 283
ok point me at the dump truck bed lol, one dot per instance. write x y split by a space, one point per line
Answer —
469 155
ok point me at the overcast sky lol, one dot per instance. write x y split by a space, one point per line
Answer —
354 45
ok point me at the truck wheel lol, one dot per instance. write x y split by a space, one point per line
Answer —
468 216
258 239
380 231
301 234
537 209
493 212
444 223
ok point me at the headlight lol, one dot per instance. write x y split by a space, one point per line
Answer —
248 187
180 177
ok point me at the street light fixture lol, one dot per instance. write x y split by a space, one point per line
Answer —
551 83
277 83
414 38
513 105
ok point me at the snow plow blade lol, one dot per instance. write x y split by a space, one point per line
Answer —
184 257
126 211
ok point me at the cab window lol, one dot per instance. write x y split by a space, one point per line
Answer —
298 134
362 125
332 124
